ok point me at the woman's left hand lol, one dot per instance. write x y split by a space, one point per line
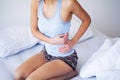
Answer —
67 46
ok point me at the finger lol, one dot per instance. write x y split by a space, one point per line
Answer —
63 49
61 35
66 35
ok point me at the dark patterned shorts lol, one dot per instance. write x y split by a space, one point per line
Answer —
71 60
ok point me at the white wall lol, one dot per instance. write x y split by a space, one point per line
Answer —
105 14
14 12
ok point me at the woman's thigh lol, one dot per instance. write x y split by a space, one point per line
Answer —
30 65
50 70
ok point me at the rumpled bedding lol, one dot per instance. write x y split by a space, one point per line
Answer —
112 74
105 63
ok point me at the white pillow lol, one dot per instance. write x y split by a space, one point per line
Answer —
15 39
107 57
75 24
108 75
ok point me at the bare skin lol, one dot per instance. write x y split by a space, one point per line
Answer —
32 68
37 68
29 66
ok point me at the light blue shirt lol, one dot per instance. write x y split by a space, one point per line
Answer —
53 27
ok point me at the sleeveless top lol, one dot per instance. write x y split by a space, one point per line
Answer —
52 27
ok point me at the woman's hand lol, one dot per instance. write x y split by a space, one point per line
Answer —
60 39
68 45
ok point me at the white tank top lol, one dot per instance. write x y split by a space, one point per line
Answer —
53 27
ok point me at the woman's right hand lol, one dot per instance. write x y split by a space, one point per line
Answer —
59 39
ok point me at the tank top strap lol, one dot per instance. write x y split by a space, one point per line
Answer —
59 9
40 8
41 5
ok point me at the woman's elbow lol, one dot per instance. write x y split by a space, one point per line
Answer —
33 31
88 20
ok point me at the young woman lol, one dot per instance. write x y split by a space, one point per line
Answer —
50 23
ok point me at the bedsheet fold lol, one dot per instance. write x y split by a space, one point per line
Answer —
104 62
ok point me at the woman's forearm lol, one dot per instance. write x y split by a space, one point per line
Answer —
81 30
84 17
34 23
41 36
59 39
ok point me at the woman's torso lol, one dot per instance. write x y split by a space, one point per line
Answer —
52 27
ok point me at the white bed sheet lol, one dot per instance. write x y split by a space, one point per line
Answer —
84 50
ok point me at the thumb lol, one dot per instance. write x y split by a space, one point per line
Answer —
61 35
66 35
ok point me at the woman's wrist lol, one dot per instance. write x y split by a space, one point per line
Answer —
50 41
73 41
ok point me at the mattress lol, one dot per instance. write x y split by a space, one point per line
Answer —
84 49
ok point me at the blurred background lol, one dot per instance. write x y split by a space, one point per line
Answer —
105 14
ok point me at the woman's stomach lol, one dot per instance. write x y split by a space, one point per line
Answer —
54 50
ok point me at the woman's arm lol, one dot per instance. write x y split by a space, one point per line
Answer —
84 17
34 22
86 20
34 27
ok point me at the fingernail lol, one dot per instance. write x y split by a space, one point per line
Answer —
61 36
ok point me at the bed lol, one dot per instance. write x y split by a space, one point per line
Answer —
85 49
